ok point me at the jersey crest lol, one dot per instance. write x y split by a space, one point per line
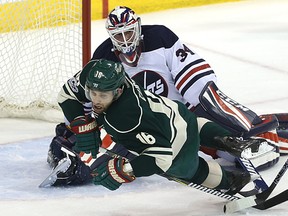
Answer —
152 82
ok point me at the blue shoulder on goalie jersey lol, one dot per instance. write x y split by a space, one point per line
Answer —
105 51
155 37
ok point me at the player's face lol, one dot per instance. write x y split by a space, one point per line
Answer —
125 40
101 100
125 36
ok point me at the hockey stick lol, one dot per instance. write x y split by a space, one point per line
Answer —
181 181
260 184
274 201
201 188
258 200
262 205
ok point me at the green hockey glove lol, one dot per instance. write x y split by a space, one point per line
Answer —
111 174
87 135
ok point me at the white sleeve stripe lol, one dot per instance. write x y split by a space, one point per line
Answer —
163 162
158 149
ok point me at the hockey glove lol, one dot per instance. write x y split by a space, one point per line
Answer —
87 135
111 174
70 170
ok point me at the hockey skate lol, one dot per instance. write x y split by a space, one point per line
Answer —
259 151
238 181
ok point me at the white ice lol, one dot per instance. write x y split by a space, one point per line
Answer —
247 45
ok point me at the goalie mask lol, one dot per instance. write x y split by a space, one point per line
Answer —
124 29
103 75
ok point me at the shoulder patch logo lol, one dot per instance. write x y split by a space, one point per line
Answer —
73 84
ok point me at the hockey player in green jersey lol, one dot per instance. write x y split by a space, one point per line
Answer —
157 60
163 135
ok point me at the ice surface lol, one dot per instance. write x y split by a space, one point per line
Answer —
247 45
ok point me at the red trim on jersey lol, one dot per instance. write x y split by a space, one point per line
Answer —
88 159
106 141
283 140
190 73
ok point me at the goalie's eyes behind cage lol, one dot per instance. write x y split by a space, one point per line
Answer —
125 38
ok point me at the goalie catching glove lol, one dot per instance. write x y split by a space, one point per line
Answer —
87 135
111 174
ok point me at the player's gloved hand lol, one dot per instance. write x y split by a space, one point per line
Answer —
87 135
77 173
111 174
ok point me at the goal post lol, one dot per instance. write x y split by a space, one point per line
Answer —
42 44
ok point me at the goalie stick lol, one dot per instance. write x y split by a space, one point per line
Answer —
260 201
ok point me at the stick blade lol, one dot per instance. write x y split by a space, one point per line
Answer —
239 204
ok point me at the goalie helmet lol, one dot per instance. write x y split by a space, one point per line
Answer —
124 29
103 75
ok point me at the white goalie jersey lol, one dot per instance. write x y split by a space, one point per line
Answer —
166 66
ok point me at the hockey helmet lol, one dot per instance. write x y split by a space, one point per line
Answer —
103 75
124 29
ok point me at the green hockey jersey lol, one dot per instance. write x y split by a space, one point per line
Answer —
163 133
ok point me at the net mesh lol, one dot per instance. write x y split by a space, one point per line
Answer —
40 48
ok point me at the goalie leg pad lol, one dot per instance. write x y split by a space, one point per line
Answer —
240 120
279 136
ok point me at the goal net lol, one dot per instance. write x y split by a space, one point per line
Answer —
40 48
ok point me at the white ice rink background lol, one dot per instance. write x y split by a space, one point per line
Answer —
247 45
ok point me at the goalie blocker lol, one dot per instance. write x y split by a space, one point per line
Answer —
241 122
